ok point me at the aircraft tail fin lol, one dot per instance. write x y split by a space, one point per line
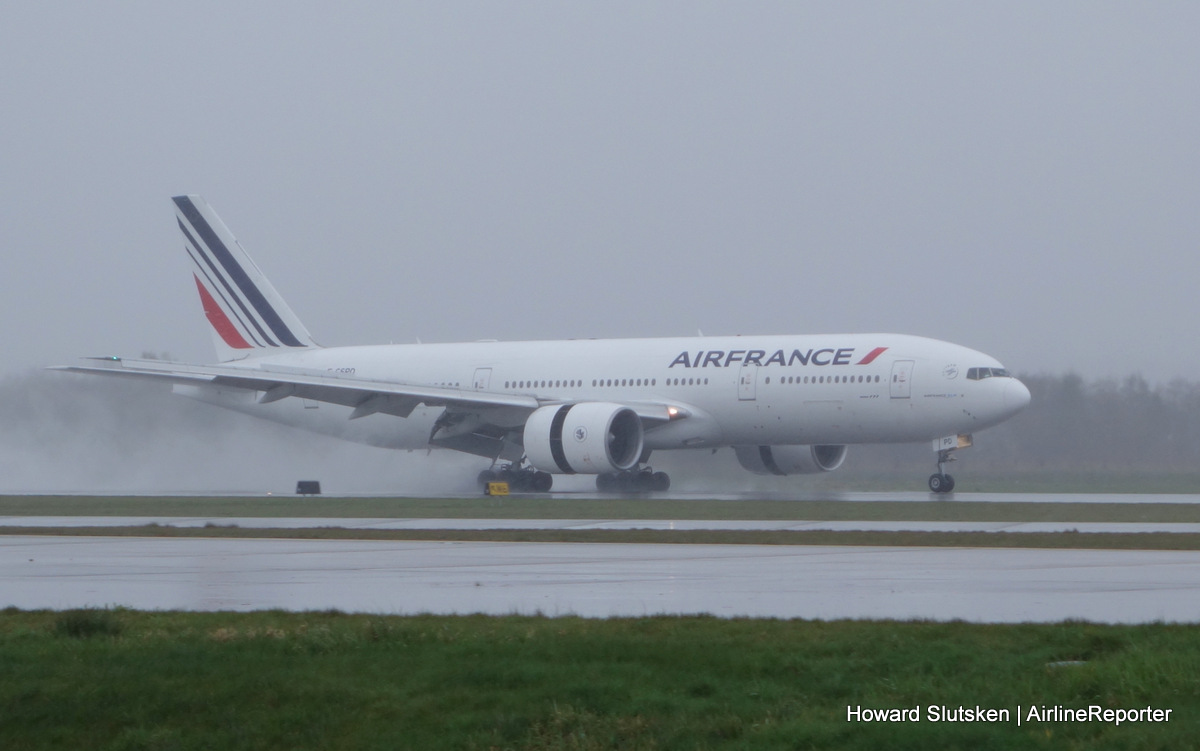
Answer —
248 316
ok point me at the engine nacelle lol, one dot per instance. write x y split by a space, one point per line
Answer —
790 460
588 438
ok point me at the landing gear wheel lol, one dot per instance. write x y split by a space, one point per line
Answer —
643 480
521 480
940 483
660 482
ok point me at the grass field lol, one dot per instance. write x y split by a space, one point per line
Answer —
541 507
118 679
132 680
544 507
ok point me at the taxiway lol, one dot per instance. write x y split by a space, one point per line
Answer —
601 580
741 525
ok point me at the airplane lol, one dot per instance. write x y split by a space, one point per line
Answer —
787 405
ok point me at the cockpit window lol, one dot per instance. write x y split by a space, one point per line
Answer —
978 374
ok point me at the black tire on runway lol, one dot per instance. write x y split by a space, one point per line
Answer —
660 482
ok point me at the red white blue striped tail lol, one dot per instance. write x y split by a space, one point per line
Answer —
247 314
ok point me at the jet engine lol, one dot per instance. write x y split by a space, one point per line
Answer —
790 460
588 438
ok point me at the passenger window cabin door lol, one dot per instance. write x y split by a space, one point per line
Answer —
482 380
902 379
748 383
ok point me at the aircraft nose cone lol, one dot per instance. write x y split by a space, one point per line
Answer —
1016 396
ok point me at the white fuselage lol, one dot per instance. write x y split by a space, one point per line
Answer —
735 390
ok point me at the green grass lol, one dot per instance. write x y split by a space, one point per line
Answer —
1059 540
540 507
514 507
162 680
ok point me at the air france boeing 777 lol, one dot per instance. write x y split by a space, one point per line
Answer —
785 404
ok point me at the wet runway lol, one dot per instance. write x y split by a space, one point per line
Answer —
613 579
922 496
600 580
756 495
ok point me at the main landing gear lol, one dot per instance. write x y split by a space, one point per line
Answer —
644 480
942 482
529 480
520 479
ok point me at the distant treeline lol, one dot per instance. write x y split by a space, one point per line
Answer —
1109 424
1077 426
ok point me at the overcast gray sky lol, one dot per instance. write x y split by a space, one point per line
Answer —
1022 178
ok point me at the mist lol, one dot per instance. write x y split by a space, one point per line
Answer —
1020 178
74 434
65 433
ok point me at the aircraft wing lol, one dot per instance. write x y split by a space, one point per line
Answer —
365 396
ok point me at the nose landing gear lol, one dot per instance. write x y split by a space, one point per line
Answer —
942 482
